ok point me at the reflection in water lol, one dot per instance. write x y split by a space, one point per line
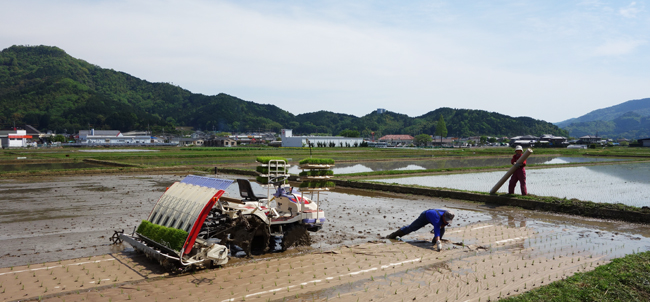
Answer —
346 168
622 183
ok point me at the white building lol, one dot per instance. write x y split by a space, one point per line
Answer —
15 139
288 140
93 137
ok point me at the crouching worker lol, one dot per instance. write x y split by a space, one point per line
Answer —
437 217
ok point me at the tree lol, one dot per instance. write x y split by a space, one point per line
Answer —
441 128
59 138
349 133
422 139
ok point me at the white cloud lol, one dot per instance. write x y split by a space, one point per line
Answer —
617 48
629 11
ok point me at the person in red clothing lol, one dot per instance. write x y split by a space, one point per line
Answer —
519 175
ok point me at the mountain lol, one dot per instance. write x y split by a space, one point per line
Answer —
641 107
45 87
630 119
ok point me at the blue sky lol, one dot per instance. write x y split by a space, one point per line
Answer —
549 60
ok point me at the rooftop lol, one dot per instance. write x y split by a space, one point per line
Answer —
396 137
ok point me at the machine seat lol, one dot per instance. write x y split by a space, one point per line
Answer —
246 191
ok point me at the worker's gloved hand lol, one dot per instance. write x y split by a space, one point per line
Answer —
439 245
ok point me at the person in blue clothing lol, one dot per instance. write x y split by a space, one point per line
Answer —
437 217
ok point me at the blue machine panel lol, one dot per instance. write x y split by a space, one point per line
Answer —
215 183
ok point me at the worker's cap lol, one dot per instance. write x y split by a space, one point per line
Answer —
449 215
519 148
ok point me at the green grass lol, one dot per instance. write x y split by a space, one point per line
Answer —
174 156
317 161
317 173
170 237
624 279
267 159
317 184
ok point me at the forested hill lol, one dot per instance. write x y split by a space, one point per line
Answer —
629 119
639 107
45 87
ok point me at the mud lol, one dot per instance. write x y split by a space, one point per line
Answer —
489 252
70 217
484 261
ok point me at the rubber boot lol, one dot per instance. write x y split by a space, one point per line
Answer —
398 233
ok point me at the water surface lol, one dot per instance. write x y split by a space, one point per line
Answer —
345 168
618 183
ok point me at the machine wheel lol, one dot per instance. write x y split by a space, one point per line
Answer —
295 235
252 231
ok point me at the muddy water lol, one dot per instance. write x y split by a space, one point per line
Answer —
67 217
62 218
617 183
434 163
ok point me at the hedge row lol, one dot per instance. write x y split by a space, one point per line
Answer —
317 173
317 184
170 237
317 161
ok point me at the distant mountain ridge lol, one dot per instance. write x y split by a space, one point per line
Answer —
45 87
630 119
641 107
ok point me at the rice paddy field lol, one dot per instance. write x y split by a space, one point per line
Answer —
54 245
618 183
445 163
488 254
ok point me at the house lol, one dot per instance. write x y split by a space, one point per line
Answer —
644 142
397 139
14 138
589 139
187 141
553 141
440 141
220 142
288 140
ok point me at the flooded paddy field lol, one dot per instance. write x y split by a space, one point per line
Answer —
617 183
489 251
434 163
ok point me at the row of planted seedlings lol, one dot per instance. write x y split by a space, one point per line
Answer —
508 268
272 279
64 276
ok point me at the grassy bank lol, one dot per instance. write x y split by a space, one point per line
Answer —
624 279
165 156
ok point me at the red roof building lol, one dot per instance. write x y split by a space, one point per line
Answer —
397 139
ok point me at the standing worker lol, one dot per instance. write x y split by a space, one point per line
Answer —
438 218
519 175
